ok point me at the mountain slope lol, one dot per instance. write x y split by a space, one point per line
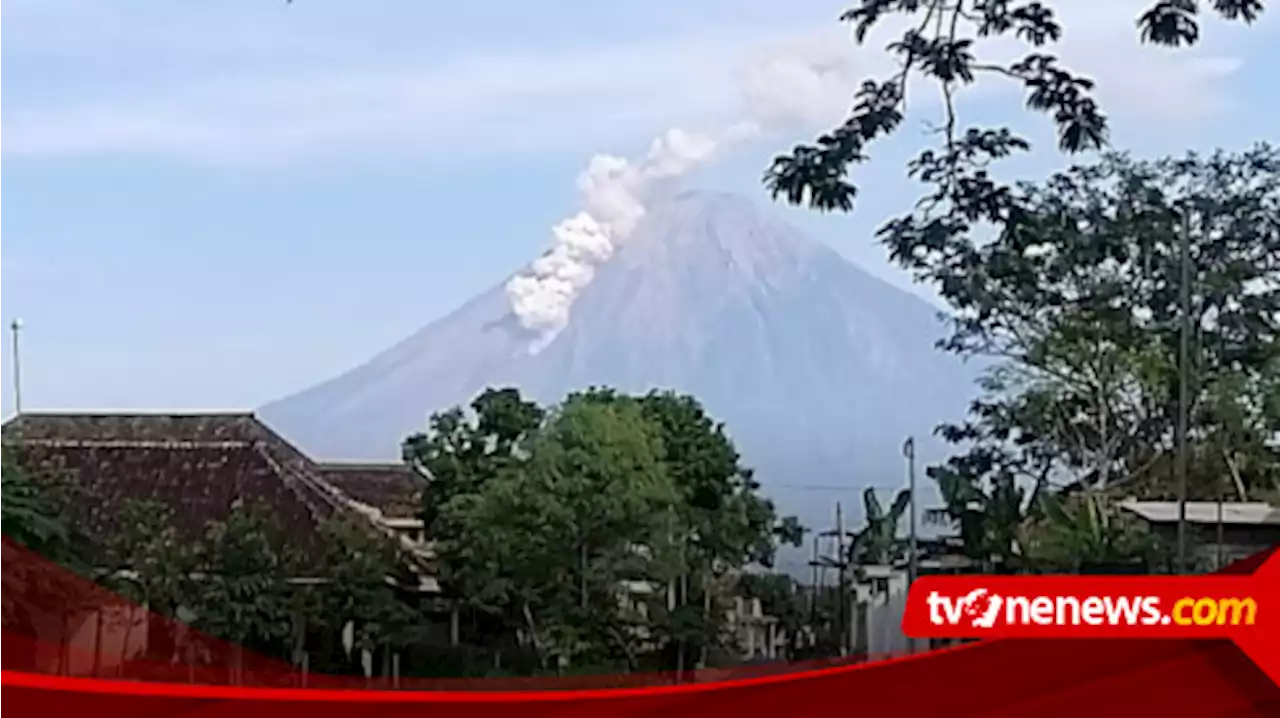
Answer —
818 369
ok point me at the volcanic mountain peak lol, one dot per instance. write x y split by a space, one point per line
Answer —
818 368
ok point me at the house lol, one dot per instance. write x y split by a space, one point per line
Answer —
758 635
1219 532
200 466
389 494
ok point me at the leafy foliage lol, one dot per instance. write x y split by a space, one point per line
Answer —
1077 297
361 568
1084 532
459 453
596 529
1078 303
148 563
242 595
548 545
941 44
728 520
987 505
877 543
34 514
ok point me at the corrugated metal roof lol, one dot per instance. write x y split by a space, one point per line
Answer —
1207 512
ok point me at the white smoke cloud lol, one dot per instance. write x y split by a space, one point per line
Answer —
792 86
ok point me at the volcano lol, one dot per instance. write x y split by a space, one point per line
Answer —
818 369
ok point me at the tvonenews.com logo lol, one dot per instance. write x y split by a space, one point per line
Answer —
981 608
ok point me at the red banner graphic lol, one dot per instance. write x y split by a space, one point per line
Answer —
1174 667
1243 609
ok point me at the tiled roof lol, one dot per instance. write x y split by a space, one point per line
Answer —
198 465
201 428
393 489
198 482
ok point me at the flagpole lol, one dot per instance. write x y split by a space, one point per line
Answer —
15 328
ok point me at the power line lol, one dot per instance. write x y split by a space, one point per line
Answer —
813 487
816 487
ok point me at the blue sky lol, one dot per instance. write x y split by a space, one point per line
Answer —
214 204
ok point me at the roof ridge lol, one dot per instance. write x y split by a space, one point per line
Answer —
342 465
339 500
132 412
324 488
133 443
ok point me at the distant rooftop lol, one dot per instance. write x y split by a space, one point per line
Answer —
1255 513
200 465
392 488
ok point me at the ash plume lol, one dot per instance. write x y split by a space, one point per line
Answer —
789 87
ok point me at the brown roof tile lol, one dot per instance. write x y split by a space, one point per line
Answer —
393 489
197 465
133 427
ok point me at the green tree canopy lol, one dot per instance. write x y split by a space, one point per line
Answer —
1078 306
943 42
729 521
34 514
549 542
242 595
149 563
877 542
363 570
1085 532
550 519
460 451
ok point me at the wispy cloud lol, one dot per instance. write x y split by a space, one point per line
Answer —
201 100
504 101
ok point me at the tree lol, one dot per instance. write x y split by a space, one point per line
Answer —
34 514
242 596
1085 533
722 523
549 542
456 456
37 582
540 518
458 453
149 565
361 575
1079 306
148 562
941 43
877 543
986 503
730 521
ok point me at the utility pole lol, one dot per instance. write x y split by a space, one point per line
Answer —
913 555
16 328
840 562
840 592
913 566
813 596
1184 369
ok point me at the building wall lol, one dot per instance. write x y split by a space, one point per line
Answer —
757 634
1238 542
879 604
98 641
